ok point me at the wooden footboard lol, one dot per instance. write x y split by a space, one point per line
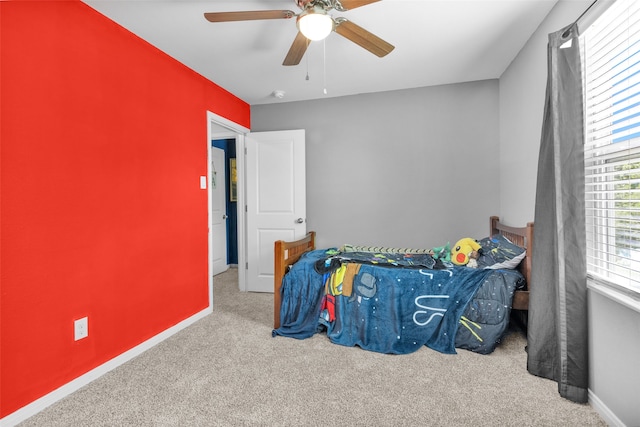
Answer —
285 254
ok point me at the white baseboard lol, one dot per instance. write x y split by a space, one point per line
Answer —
603 410
38 405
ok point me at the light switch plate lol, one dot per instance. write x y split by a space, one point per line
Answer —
203 182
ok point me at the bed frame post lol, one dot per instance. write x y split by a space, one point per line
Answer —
285 254
278 274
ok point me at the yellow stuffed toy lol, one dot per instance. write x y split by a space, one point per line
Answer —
465 252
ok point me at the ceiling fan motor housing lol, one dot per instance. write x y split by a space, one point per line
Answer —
326 5
314 10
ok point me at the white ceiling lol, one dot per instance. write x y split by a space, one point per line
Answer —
436 42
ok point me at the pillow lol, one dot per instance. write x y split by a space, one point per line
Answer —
499 252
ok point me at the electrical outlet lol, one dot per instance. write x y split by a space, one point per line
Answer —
81 328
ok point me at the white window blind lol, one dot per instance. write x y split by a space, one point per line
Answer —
611 48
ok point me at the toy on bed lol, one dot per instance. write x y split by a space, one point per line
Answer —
442 253
465 252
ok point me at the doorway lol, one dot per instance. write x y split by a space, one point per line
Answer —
219 208
219 127
230 201
283 170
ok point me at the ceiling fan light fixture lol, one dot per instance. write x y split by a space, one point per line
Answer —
315 25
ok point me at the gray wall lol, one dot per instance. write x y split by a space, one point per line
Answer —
614 328
410 168
522 92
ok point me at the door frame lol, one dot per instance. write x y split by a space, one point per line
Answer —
219 127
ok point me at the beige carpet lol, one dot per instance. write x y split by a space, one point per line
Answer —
227 370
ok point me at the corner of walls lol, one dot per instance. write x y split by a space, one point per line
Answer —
522 92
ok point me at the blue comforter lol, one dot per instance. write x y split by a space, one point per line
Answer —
388 309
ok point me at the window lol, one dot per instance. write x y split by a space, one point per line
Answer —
611 48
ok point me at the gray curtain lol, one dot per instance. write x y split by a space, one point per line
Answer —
557 325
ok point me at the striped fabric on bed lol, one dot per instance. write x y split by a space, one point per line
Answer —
383 250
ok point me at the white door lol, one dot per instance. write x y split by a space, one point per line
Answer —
218 211
276 199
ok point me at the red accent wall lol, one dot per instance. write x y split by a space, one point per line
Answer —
103 139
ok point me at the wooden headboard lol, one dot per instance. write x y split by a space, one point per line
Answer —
523 237
287 253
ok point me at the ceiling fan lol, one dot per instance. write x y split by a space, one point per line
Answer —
312 18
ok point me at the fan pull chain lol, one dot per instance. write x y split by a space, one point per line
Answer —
307 61
324 62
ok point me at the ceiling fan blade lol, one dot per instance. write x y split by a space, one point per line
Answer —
248 16
362 37
352 4
297 50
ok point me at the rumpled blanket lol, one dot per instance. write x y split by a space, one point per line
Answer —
387 309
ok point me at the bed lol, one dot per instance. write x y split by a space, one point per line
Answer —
397 301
